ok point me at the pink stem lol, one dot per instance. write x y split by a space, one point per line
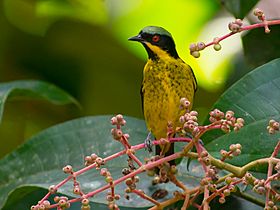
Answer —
246 28
269 172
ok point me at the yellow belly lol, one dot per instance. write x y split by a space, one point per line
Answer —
165 82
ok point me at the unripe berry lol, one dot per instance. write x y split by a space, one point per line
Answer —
103 172
232 147
52 189
226 192
156 180
240 120
127 190
225 128
223 153
182 119
114 121
128 181
222 200
185 103
109 198
85 202
195 54
234 27
56 199
258 12
88 159
270 203
119 117
200 45
62 203
238 22
217 47
47 204
204 182
228 180
76 190
125 171
117 133
229 114
85 207
93 156
238 146
99 161
193 47
117 197
206 160
41 207
271 130
68 169
109 179
136 179
237 152
261 190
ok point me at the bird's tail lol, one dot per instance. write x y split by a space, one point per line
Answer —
170 151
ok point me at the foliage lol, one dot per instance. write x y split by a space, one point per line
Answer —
27 173
85 134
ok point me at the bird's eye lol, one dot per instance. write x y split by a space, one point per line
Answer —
156 38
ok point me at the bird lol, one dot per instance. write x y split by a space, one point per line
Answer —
166 79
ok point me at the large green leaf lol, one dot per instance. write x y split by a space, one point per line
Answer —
35 90
255 98
239 8
37 164
259 47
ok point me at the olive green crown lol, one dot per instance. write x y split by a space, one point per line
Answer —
156 30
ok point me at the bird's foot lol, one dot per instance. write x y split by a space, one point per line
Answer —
148 143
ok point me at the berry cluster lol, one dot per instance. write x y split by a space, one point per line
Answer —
211 185
235 26
260 15
195 48
273 126
111 195
44 206
234 150
93 158
227 120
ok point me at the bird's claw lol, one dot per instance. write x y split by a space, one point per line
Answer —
148 143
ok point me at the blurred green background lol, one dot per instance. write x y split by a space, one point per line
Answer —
81 46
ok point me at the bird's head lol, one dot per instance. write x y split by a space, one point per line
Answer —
157 41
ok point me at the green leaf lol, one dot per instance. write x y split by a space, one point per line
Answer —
37 164
259 47
33 90
239 8
68 143
255 98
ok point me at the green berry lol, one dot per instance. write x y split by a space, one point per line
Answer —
195 54
217 47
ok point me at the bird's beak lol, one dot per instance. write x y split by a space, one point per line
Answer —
137 38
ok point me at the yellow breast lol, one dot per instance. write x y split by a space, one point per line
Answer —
165 82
